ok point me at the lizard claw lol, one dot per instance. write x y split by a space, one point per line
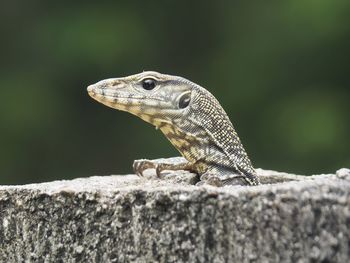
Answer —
141 165
138 167
158 170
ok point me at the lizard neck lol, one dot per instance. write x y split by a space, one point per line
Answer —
187 145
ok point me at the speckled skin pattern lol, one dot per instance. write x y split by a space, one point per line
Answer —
190 117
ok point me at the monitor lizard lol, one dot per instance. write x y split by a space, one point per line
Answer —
190 117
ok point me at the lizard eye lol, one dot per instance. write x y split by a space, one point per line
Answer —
184 100
148 84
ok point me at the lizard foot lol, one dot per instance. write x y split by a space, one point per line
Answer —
139 166
160 165
211 180
214 180
238 180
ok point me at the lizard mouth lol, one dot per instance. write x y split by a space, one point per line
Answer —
125 102
116 98
105 94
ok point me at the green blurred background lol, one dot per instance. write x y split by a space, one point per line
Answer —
279 68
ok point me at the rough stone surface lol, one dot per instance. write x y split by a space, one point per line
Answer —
130 219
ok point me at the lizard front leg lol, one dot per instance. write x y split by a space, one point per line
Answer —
172 164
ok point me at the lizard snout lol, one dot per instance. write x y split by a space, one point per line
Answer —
90 89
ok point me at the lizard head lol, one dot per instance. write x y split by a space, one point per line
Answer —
156 98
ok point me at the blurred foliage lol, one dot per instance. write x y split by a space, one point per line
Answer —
279 68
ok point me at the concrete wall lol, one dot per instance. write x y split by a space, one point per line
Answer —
131 219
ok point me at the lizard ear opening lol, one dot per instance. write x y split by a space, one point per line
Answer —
185 100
